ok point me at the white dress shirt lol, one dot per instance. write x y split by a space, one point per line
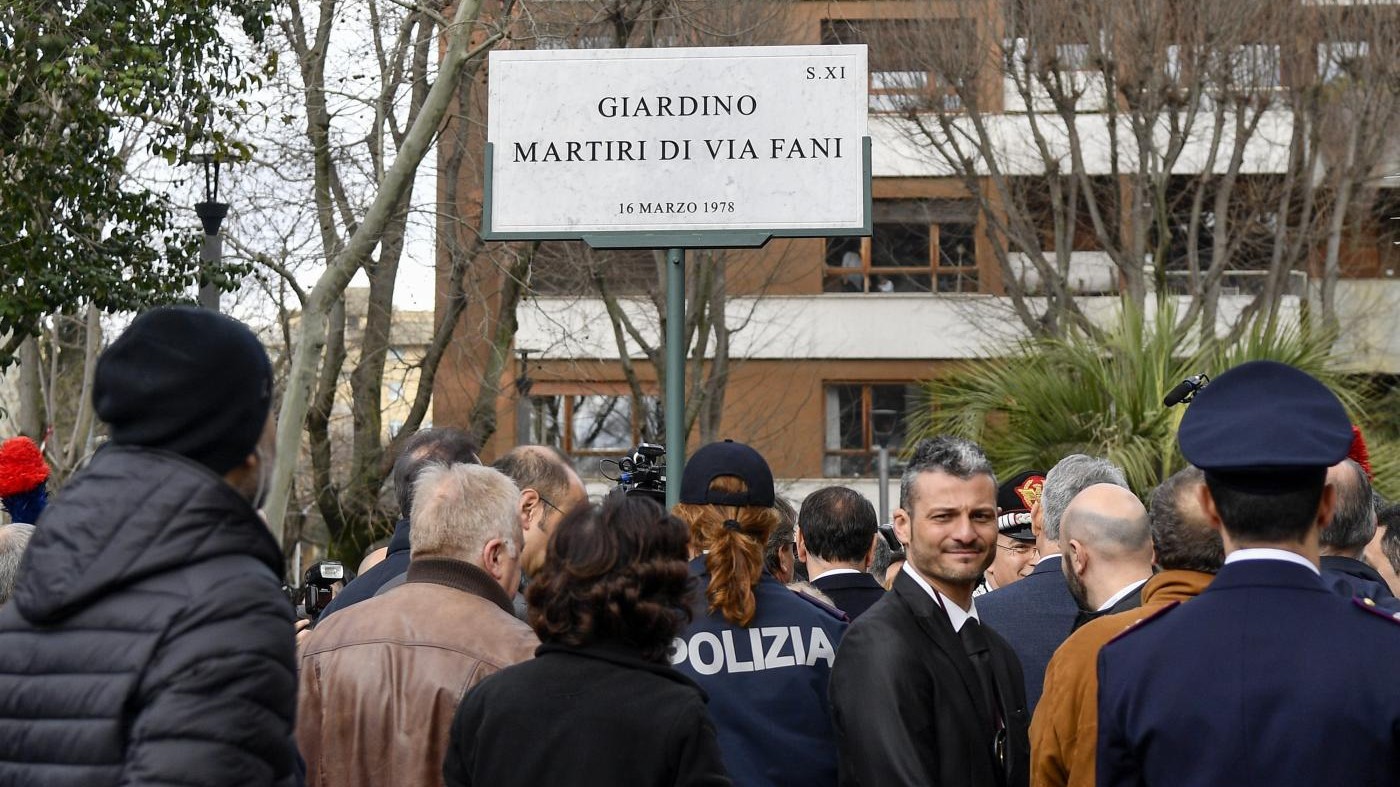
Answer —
956 614
1265 553
1117 597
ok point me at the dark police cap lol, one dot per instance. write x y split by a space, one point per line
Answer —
727 458
1015 498
1265 427
186 380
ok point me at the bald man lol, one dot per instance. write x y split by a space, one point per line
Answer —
1189 552
1107 546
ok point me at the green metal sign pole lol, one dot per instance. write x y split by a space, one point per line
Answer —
675 374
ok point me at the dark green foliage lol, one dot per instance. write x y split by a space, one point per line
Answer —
74 73
1054 397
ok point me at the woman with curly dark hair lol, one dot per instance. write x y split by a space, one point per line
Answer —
598 704
762 652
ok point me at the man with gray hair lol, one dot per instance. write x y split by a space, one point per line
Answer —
381 680
1343 542
921 691
1038 613
13 539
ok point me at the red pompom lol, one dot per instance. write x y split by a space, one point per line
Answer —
22 467
1358 451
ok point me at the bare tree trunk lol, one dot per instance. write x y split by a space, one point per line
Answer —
81 439
1341 204
31 392
331 286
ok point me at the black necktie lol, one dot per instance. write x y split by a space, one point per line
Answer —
974 641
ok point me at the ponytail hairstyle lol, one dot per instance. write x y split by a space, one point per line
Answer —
733 538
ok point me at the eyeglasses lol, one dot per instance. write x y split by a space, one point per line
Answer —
545 500
1018 549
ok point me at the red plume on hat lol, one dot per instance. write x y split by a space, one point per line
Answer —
1358 452
22 466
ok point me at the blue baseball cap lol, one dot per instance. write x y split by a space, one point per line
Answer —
727 458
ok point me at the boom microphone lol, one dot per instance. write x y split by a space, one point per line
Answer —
1185 390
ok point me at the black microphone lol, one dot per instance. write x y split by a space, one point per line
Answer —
1185 390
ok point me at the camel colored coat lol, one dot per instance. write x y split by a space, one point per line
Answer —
1066 722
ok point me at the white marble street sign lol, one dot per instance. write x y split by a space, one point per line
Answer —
677 140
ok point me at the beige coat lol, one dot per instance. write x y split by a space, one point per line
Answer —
1065 728
381 680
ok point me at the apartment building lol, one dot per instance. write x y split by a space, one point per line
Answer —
1196 155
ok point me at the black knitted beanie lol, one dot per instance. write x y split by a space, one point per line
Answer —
187 380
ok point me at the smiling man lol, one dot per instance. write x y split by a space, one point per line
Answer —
921 693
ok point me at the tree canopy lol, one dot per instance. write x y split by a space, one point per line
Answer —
83 86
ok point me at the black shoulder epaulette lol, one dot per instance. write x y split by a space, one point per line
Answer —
1375 609
1145 619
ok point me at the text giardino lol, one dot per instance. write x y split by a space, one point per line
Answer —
675 106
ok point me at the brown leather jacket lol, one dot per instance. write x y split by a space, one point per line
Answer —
381 680
1064 732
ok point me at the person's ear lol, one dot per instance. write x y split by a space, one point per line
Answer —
1208 508
493 558
1037 520
1326 507
1078 555
869 559
530 505
902 526
801 546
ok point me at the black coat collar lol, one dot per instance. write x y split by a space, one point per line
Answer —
622 656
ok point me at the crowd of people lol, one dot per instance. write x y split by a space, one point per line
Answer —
1238 625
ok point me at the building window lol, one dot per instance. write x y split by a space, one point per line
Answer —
851 442
1338 60
395 388
909 60
916 246
595 424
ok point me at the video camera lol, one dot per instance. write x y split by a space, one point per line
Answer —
643 472
892 541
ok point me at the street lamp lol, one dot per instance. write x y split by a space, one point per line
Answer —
211 214
524 414
882 425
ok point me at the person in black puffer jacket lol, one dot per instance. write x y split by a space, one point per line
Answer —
148 641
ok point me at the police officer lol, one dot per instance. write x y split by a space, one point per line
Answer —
761 652
1267 677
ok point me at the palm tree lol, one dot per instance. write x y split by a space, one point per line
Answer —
1057 396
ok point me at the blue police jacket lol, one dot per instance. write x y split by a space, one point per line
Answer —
767 683
1266 678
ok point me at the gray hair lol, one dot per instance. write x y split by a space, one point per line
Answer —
13 539
944 454
1183 537
1113 535
545 469
1069 477
1354 519
458 508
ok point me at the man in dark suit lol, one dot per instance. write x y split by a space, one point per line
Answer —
1343 542
836 534
1037 614
921 692
1268 676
